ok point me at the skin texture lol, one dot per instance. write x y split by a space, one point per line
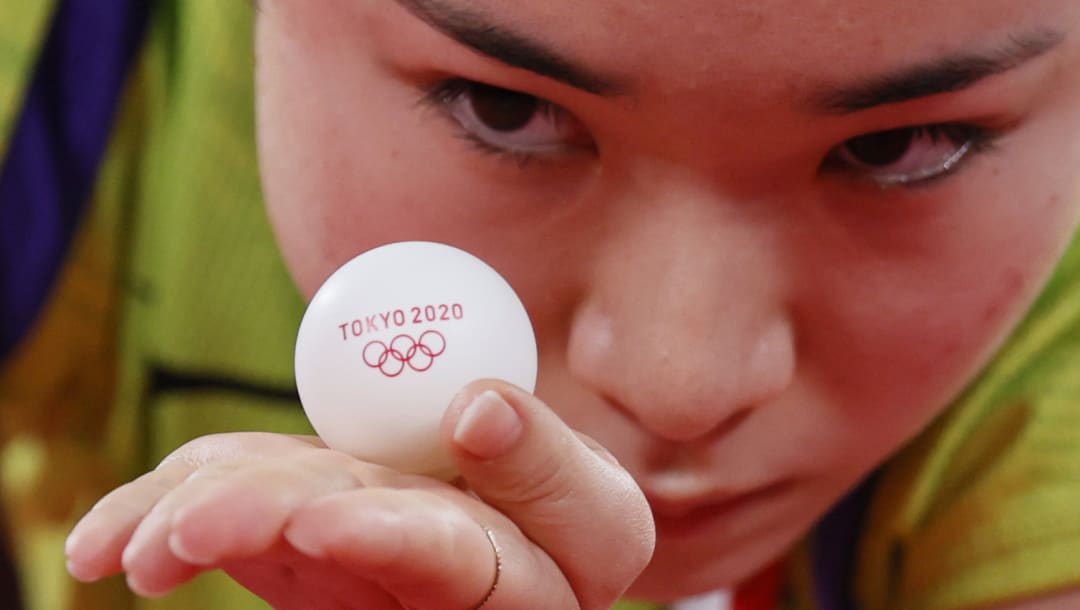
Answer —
746 324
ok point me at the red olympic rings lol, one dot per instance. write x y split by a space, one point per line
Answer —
403 350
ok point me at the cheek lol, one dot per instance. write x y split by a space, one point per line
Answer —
333 175
908 310
351 160
892 340
345 163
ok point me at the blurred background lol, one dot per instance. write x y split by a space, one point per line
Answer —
142 299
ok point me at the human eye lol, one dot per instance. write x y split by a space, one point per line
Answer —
910 156
508 122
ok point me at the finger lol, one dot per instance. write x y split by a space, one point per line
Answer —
428 552
152 567
286 578
241 513
95 544
228 510
574 501
134 529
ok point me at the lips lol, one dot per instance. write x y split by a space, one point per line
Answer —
690 515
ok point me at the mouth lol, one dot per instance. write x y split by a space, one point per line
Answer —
687 517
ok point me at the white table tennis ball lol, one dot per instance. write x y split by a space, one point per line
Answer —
392 336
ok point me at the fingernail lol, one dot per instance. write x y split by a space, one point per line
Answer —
74 567
128 556
80 572
142 589
73 540
183 552
488 427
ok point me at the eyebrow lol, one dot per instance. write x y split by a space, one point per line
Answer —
944 75
509 47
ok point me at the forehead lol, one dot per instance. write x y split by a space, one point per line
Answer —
769 41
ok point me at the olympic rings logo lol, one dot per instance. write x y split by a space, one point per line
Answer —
403 350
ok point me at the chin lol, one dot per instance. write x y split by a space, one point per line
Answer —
672 576
687 567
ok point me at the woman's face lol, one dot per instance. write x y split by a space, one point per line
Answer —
762 244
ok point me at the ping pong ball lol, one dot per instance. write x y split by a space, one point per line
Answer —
392 336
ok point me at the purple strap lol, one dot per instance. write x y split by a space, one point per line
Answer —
57 145
835 543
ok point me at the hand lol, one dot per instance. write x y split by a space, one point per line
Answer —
307 527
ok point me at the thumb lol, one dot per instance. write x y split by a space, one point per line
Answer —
566 493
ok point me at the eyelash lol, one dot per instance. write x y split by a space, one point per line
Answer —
442 94
970 139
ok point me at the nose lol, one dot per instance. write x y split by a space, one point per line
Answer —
683 324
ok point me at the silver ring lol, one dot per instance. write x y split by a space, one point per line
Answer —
498 568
